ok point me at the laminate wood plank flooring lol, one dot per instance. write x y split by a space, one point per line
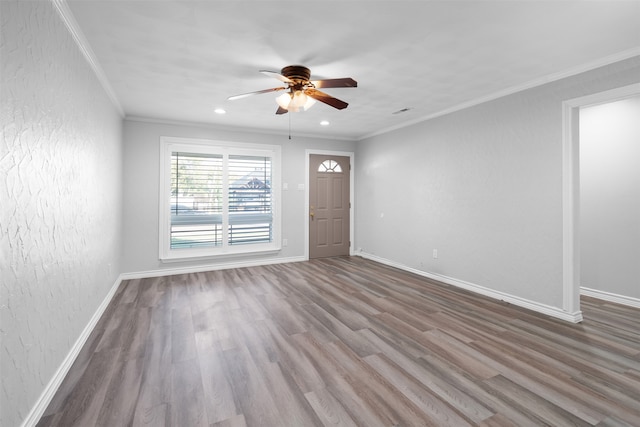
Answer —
345 342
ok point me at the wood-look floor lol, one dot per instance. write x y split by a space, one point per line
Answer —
345 342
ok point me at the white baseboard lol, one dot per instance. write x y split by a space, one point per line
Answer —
50 390
45 398
209 267
611 297
512 299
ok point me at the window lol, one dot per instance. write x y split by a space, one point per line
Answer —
329 166
218 198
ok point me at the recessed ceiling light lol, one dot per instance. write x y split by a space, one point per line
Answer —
324 123
219 111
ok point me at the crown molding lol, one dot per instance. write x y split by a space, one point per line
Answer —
65 13
223 128
607 60
70 22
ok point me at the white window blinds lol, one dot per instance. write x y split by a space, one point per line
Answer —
196 200
249 199
219 198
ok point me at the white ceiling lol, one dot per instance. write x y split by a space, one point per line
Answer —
179 60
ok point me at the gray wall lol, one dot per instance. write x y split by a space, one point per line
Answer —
60 192
141 174
482 185
610 197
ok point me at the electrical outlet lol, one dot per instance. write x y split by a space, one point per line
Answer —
435 253
285 242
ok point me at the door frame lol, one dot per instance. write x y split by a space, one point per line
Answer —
571 191
351 157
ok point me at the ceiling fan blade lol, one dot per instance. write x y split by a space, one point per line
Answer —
327 99
244 95
277 75
344 82
281 110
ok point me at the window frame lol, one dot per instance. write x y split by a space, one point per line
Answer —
168 145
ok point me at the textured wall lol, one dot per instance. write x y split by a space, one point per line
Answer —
142 171
482 185
610 197
60 192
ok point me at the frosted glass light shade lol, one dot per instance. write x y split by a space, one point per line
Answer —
284 100
294 102
297 101
309 103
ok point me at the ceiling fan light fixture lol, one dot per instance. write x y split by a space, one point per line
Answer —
309 103
284 100
300 92
298 101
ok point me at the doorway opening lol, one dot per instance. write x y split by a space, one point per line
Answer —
571 192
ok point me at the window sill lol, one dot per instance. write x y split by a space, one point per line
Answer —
178 255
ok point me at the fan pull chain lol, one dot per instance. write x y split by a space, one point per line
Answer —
289 126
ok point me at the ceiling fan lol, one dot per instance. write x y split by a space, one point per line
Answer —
301 92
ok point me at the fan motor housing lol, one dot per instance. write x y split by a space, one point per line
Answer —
296 73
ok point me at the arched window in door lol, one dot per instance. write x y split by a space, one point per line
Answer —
329 166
